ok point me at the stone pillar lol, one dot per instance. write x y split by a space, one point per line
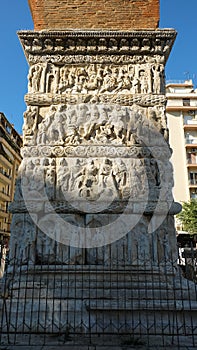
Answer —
95 186
96 147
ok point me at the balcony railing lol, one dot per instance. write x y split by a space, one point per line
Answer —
5 174
3 213
192 161
190 122
191 141
4 196
193 182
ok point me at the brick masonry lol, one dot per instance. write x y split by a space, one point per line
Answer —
95 14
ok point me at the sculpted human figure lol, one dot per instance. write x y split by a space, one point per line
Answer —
116 120
143 82
80 81
120 175
106 178
34 78
42 135
88 184
63 81
90 127
63 176
93 82
157 71
52 78
123 81
140 243
135 85
50 177
163 249
76 174
71 79
30 120
109 81
71 133
56 129
103 130
22 244
34 176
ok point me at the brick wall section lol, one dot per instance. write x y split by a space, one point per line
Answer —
95 14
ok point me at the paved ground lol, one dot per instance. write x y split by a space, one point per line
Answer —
79 347
82 343
94 347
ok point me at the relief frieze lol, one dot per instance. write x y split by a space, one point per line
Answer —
96 124
97 79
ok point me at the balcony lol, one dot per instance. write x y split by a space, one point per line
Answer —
192 141
193 182
3 213
4 177
190 124
191 163
5 161
4 196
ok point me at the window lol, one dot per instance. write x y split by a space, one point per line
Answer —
193 178
186 102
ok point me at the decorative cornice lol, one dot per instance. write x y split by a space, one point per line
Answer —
151 42
100 33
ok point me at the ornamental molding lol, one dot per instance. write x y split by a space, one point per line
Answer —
89 58
94 150
151 42
44 99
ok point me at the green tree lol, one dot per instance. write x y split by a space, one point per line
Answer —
188 216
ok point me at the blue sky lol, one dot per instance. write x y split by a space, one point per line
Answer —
15 15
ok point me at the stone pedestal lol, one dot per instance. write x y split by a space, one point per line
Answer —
93 245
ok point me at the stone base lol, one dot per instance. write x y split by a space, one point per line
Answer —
91 301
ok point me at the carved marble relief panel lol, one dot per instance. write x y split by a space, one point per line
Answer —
96 78
93 124
94 179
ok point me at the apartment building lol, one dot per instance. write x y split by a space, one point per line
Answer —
182 123
10 144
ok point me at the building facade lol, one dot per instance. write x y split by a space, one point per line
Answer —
10 159
182 123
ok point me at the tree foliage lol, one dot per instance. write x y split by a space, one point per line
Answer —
188 216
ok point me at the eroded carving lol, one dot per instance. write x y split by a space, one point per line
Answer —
94 124
99 78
